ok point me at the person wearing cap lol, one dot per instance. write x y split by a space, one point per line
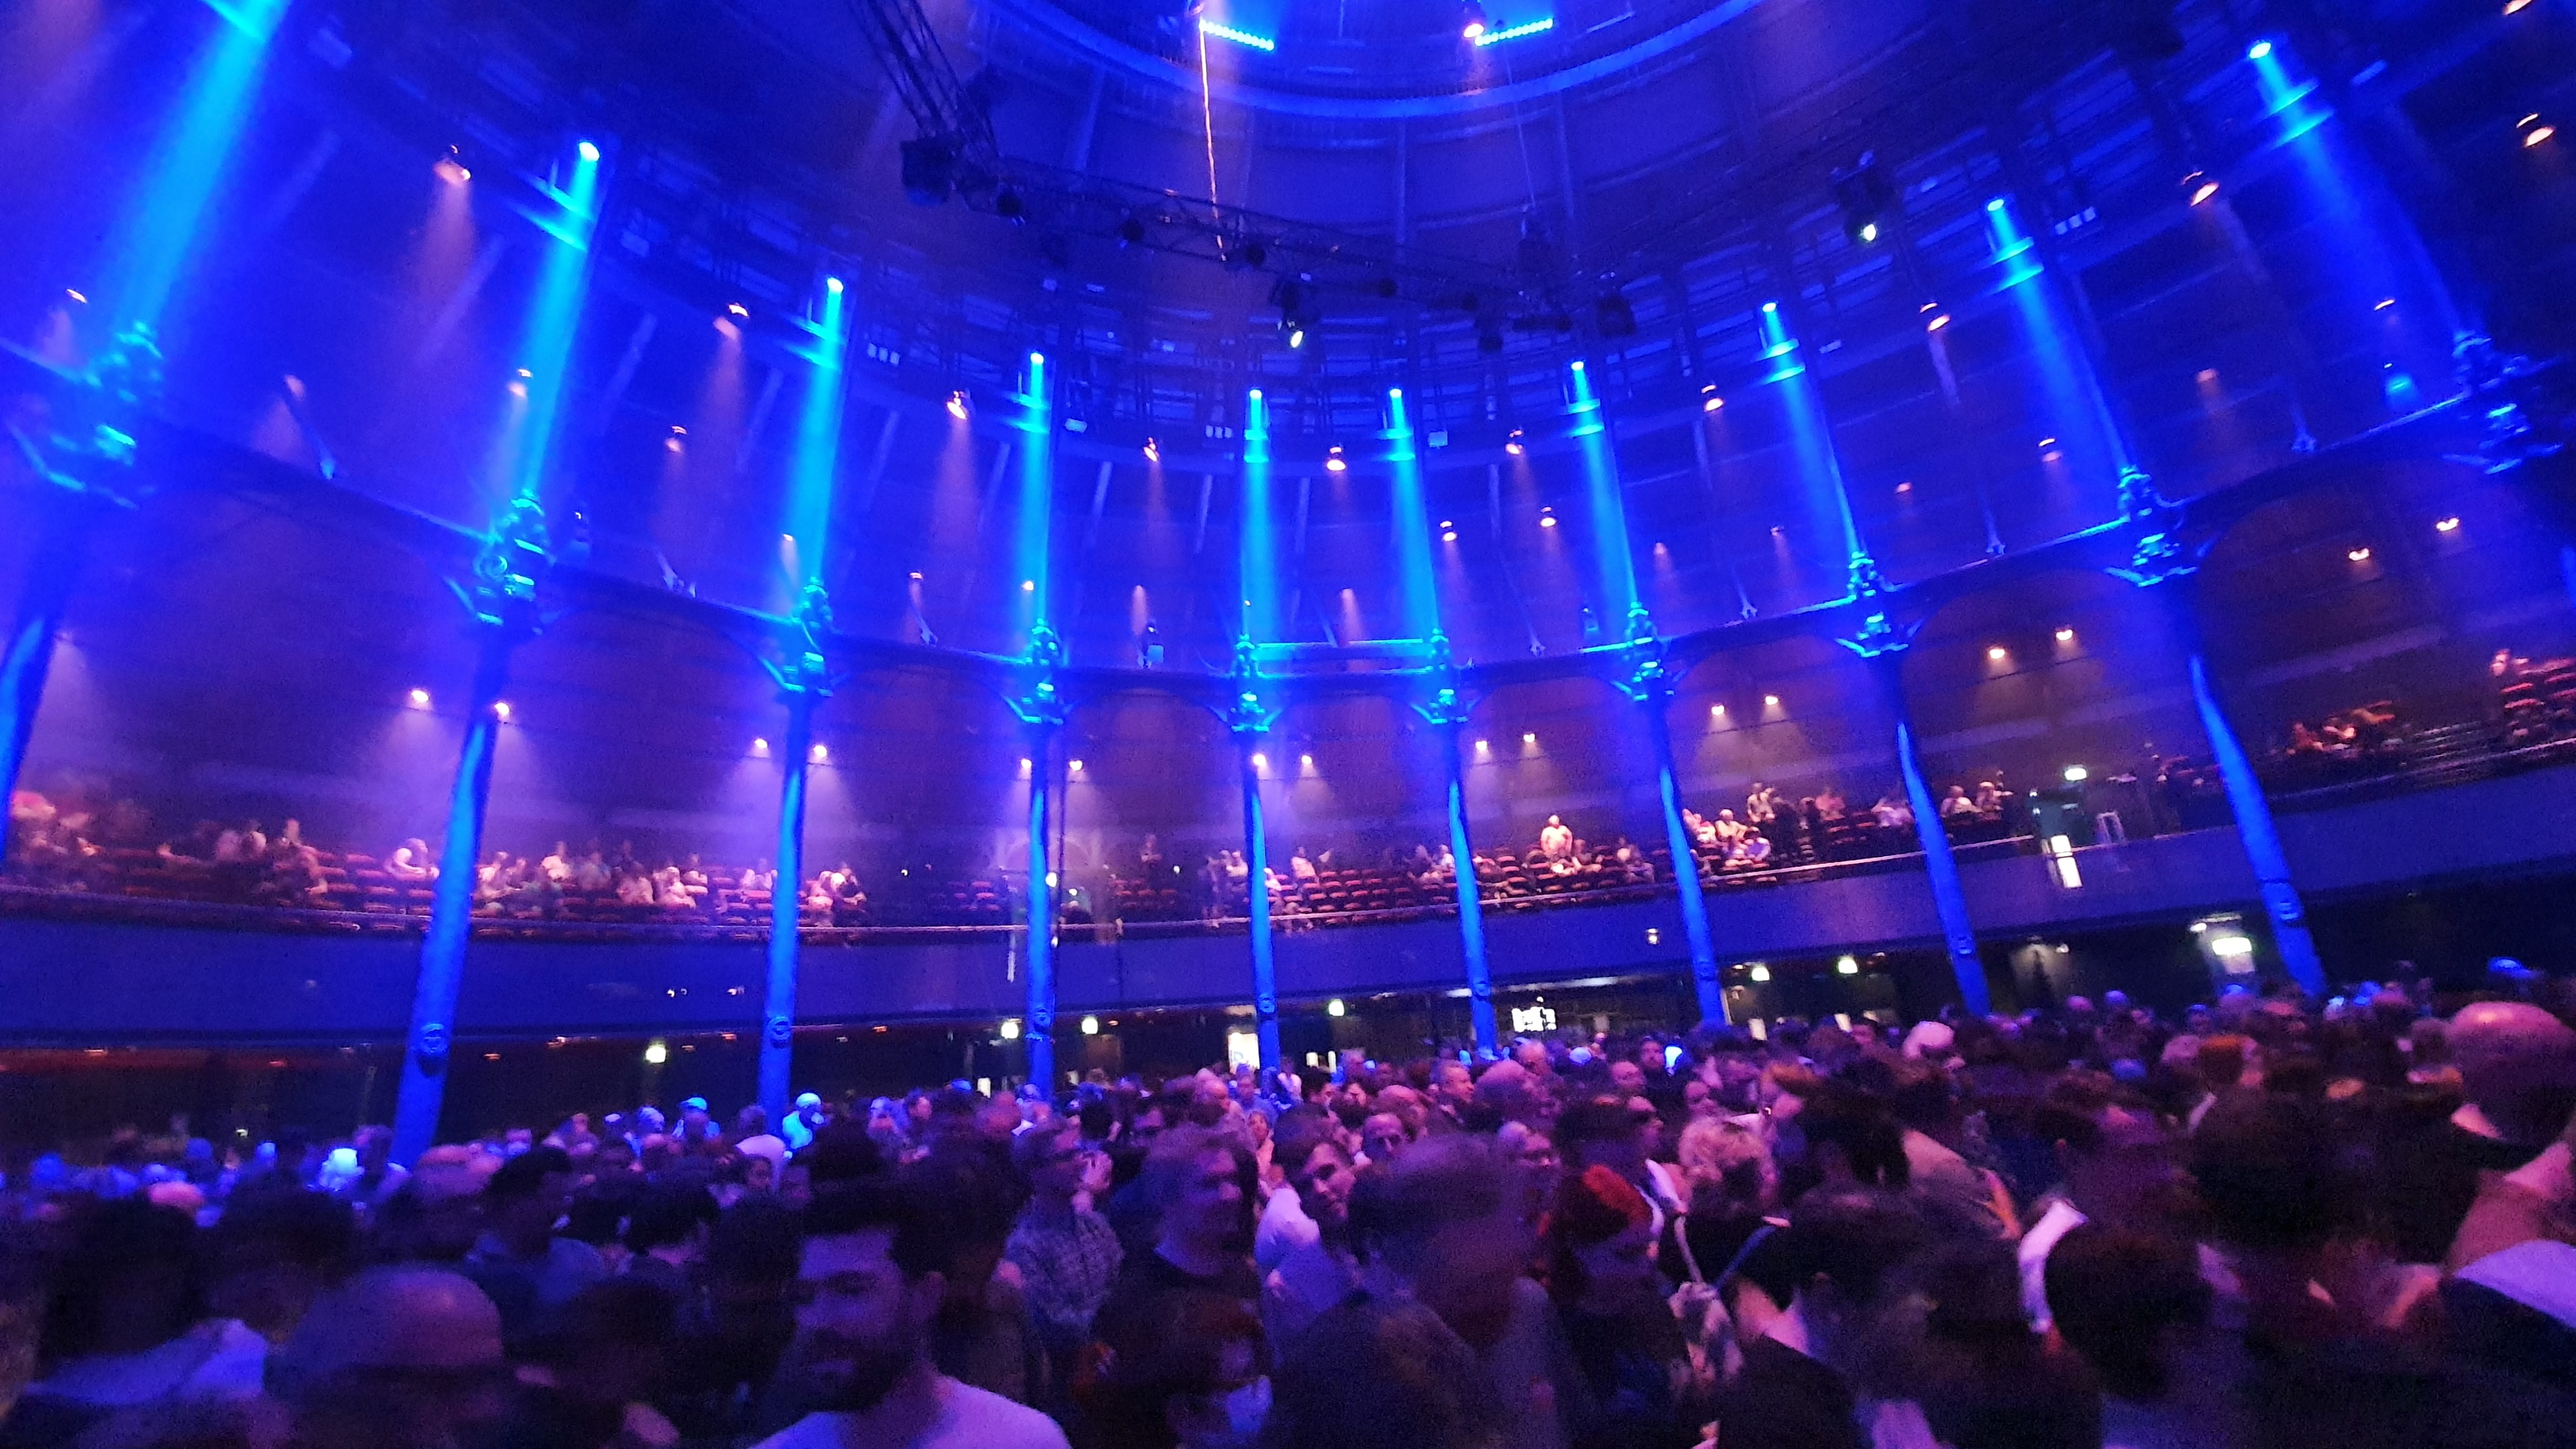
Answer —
697 1125
808 1118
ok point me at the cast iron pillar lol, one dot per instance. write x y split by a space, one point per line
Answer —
1449 713
1651 687
1882 644
1042 709
802 686
1250 721
503 602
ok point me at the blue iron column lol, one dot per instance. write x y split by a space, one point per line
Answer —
99 413
802 685
1652 689
46 592
1449 713
1251 721
1042 709
503 598
1883 645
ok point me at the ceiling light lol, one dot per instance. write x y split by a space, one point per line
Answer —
2447 525
737 309
1474 26
2066 636
501 710
2358 554
2260 50
1847 965
2077 774
1153 451
1334 462
2538 134
1759 972
957 404
1997 653
420 699
1513 444
589 151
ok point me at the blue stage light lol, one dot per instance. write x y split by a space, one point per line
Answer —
832 285
2261 50
589 151
1497 37
1240 37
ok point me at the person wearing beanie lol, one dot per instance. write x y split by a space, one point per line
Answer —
1644 1386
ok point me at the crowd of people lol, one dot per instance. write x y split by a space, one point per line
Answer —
2260 1222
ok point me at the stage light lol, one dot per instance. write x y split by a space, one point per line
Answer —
1534 27
760 747
1547 518
1475 26
2066 636
1998 653
1759 972
1905 487
1711 403
1529 738
1847 965
1010 1028
2516 7
818 755
1770 308
2447 525
420 699
2260 50
1770 701
1260 761
1513 444
1448 535
76 295
1484 748
1334 462
2200 187
589 150
451 171
1996 205
1153 451
739 310
1306 762
656 1053
1334 1007
2383 304
1028 586
1717 711
1260 43
2537 134
1298 314
2045 443
916 576
501 710
2077 774
2230 946
2359 554
957 404
832 285
1939 321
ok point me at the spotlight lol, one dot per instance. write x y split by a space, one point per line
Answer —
1260 761
818 755
1484 748
1770 701
1709 400
1513 444
1028 586
2383 304
2359 554
2447 525
832 285
451 170
1998 653
2259 50
2516 7
589 151
760 747
1334 1007
2066 636
2537 134
1529 738
1334 462
1474 28
2200 186
2077 774
1614 317
1153 452
739 310
1717 711
957 404
1939 321
1759 972
1863 192
1091 1026
1547 518
501 710
1448 535
1905 487
77 295
1297 312
656 1053
1847 965
420 699
1010 1028
1074 765
1306 761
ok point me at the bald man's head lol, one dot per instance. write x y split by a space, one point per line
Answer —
395 1358
2517 1065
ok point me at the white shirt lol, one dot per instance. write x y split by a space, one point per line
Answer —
2036 1244
1284 1228
969 1418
